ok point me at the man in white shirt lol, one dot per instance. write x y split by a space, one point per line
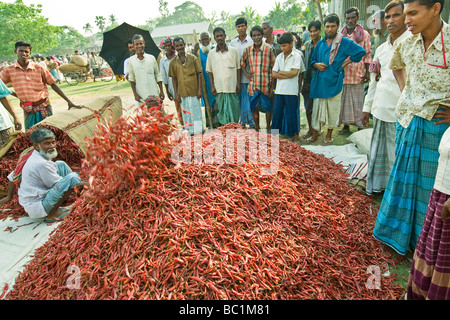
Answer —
44 185
381 101
224 71
241 42
286 70
144 75
164 64
132 51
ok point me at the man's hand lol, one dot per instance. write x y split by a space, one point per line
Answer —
161 96
137 98
249 76
365 119
377 77
199 94
213 91
178 99
320 66
445 213
444 115
238 87
4 201
72 105
196 48
366 77
169 95
17 125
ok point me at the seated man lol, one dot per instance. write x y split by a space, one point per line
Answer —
44 185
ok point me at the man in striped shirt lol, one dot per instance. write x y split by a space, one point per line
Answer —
261 58
30 81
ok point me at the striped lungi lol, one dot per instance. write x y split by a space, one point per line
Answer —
405 201
381 155
352 105
430 271
192 114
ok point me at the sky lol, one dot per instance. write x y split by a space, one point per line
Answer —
76 13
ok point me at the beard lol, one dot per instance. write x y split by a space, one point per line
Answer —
49 155
331 35
205 49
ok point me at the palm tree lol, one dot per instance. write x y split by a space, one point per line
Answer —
250 15
100 22
112 20
87 28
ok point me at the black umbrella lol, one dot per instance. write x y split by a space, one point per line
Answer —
115 49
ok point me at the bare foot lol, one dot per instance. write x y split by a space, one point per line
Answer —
58 216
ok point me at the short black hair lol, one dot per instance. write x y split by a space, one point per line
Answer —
218 29
286 37
136 37
22 44
129 42
428 3
352 9
393 4
241 21
176 40
331 18
316 24
256 28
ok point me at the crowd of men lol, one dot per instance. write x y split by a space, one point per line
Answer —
400 81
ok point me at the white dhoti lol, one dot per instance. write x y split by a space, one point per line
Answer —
326 112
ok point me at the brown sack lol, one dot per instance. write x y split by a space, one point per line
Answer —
78 60
72 67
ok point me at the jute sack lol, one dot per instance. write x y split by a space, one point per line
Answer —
71 67
78 60
79 124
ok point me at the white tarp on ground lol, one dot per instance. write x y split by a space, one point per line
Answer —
351 157
18 242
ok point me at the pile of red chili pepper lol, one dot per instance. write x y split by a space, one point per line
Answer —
148 228
68 151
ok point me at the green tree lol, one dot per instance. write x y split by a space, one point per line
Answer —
87 28
250 15
100 22
22 22
163 8
112 20
68 40
187 12
286 15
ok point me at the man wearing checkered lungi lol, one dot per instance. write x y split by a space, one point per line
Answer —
356 74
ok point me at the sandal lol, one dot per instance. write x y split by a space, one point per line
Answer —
310 140
327 142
